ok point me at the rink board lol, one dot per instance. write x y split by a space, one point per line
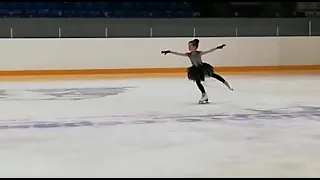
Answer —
122 56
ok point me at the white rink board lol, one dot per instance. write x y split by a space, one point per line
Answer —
131 53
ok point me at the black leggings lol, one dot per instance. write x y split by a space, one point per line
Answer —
218 77
214 75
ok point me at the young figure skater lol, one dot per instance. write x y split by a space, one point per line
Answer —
200 70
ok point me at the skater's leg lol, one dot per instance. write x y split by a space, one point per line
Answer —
221 79
204 97
200 86
218 77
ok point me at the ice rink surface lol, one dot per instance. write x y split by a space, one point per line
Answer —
268 127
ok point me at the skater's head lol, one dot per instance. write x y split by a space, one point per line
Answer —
193 45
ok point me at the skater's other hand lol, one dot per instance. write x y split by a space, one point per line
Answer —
220 47
165 52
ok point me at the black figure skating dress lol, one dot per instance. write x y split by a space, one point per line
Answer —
199 70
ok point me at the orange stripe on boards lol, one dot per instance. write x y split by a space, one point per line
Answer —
149 73
248 69
267 68
93 71
276 70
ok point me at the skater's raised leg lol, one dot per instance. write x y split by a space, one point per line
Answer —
221 79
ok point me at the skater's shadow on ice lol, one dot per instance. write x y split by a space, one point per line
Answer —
211 103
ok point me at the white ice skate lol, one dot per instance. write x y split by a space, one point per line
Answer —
228 85
204 99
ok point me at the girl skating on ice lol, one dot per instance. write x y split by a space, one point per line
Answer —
200 70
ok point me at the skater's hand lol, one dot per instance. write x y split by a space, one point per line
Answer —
220 47
165 52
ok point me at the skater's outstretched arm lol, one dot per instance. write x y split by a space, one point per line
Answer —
173 52
212 50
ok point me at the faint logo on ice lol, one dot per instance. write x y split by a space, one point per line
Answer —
285 115
60 94
3 94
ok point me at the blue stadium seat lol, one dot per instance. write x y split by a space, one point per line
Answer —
51 5
16 13
85 6
160 14
95 13
163 6
43 13
82 13
179 6
148 6
95 9
107 14
68 13
4 13
117 6
119 14
55 13
31 13
66 6
182 14
10 5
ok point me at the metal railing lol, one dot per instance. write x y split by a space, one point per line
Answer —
66 28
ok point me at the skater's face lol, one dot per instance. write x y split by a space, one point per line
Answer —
192 47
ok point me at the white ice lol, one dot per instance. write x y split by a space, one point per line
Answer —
267 146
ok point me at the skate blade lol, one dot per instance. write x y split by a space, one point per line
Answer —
204 102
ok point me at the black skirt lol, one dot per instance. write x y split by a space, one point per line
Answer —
200 72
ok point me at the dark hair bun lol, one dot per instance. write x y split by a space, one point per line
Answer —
196 40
